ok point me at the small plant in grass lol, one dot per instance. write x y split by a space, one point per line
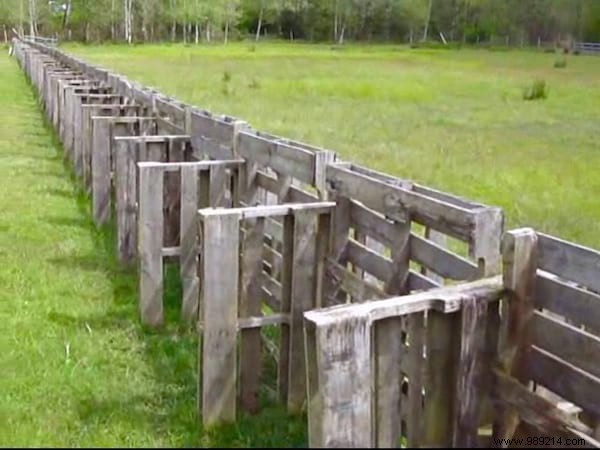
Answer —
537 91
252 48
226 76
560 63
254 84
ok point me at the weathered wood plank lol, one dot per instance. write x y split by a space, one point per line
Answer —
519 254
566 380
250 306
150 245
126 199
339 377
419 282
287 267
396 202
578 305
574 346
101 172
538 411
470 368
188 261
570 261
220 268
303 298
441 261
281 157
368 260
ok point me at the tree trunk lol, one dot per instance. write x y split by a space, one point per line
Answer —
185 33
335 21
87 32
341 38
207 31
32 18
197 33
5 35
227 30
113 33
260 19
426 30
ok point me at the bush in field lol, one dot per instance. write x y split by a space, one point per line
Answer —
537 91
254 84
560 63
226 76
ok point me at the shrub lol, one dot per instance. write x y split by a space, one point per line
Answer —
252 48
560 63
538 90
254 84
226 76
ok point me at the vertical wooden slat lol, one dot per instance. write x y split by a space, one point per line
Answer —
443 331
339 239
389 349
126 193
470 368
413 410
189 243
340 384
303 298
287 262
101 194
250 305
150 223
220 267
173 196
218 186
519 255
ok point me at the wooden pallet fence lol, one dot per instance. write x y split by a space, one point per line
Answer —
551 337
128 152
73 99
345 362
231 302
104 130
200 186
97 108
389 239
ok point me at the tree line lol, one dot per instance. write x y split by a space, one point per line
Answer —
510 22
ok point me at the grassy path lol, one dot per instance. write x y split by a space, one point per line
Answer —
76 367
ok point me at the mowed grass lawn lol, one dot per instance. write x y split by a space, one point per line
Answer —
452 119
77 369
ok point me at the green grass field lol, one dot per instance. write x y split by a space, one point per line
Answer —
451 119
77 370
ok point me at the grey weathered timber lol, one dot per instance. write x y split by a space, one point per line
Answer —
339 358
104 129
250 306
189 242
220 265
519 252
150 245
580 306
569 343
339 377
570 261
469 380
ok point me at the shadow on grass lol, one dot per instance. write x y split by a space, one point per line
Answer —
171 353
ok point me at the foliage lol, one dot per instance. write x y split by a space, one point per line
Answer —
560 63
536 91
512 22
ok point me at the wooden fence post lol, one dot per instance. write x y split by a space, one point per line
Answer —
101 185
150 244
339 375
250 306
519 253
220 278
189 243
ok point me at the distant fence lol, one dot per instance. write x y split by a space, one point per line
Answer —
588 47
386 317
